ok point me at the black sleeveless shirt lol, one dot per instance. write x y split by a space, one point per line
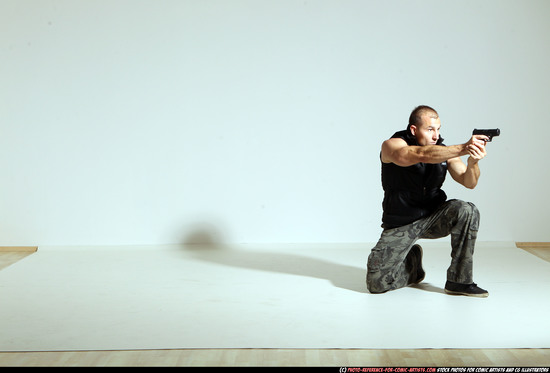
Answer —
411 193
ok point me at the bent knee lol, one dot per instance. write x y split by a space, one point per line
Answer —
465 209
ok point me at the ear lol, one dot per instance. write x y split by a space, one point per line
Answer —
413 129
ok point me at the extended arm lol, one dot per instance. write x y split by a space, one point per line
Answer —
396 150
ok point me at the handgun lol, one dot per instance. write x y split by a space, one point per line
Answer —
490 133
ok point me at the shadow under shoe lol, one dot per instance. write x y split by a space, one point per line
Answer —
413 265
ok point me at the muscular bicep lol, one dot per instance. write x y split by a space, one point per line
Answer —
397 151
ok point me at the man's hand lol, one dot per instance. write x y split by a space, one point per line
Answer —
476 149
468 175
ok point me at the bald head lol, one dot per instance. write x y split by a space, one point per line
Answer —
419 112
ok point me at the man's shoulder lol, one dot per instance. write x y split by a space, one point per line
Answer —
391 146
404 135
400 135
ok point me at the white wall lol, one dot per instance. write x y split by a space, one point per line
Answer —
157 121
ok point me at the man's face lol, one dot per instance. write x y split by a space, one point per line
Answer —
428 132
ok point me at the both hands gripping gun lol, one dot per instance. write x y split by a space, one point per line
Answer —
490 133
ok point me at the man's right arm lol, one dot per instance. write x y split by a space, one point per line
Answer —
396 150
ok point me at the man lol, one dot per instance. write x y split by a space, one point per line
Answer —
414 165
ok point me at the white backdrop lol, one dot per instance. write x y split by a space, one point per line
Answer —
157 121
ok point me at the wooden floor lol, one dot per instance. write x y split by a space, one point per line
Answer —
279 357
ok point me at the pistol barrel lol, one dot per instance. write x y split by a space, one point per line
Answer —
490 133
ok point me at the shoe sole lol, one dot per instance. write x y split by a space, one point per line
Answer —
482 295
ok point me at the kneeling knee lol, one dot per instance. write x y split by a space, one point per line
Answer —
374 283
374 289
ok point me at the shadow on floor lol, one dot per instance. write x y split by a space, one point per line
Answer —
426 286
342 276
204 243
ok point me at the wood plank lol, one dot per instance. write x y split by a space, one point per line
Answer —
8 258
26 249
533 245
284 357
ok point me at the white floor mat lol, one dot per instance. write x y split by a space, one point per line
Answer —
271 296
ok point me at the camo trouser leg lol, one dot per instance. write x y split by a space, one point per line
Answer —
386 268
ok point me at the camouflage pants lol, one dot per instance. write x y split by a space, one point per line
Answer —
386 269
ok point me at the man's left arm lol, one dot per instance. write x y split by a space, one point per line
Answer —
468 175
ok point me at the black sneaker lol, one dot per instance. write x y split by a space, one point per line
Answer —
471 290
413 263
